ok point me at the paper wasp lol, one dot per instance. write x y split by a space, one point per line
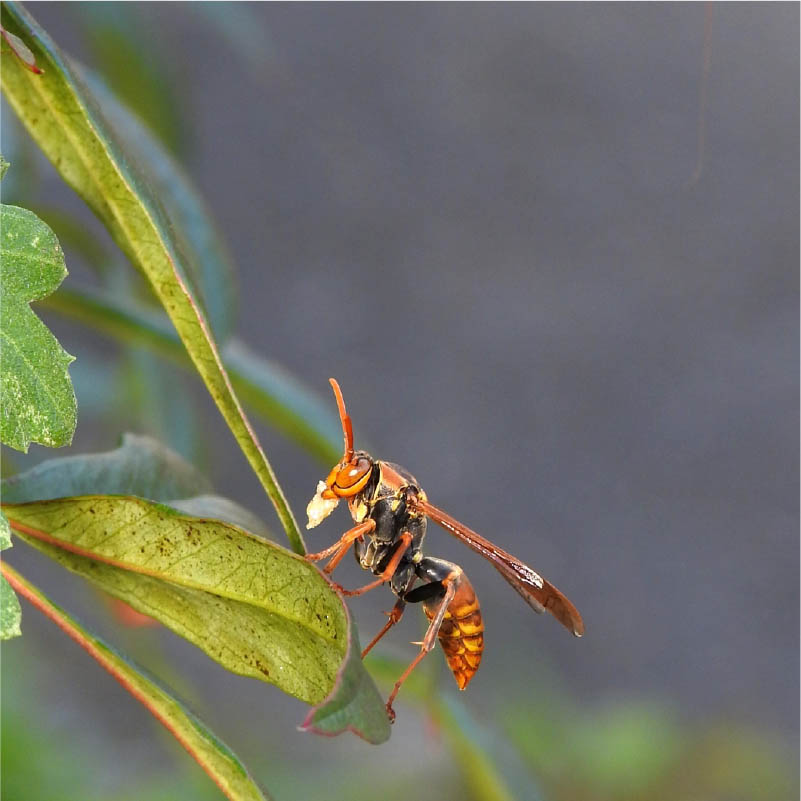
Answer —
390 511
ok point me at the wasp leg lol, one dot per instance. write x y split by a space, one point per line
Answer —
394 616
389 571
448 584
341 545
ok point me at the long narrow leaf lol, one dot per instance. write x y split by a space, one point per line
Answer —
61 115
265 386
199 241
216 759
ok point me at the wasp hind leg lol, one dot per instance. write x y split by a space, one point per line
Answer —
394 616
437 594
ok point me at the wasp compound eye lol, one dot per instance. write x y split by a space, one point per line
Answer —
353 477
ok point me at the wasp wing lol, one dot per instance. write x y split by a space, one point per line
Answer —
538 593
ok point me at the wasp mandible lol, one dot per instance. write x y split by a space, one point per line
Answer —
390 509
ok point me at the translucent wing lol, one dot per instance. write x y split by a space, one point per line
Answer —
538 593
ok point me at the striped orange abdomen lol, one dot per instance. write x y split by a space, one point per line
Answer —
462 632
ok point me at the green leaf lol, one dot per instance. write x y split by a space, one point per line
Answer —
205 254
10 612
4 165
124 50
216 507
216 759
353 704
36 394
64 119
75 237
252 606
264 385
140 466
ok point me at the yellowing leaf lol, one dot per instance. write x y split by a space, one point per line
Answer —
254 607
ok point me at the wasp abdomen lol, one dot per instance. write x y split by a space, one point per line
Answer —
462 632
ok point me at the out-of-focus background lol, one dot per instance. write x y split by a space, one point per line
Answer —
578 328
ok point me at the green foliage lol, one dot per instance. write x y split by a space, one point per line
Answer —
211 753
354 704
65 120
640 751
36 394
10 612
139 522
140 466
202 250
254 607
294 629
146 527
488 765
269 389
114 34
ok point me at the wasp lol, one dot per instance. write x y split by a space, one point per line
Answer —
390 511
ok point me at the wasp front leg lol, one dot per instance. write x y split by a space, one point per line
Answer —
340 547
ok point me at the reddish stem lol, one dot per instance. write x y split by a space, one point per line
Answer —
27 591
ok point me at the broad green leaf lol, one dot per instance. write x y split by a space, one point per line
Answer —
353 704
36 394
244 638
254 607
264 385
216 507
216 759
75 237
10 612
5 533
140 466
65 120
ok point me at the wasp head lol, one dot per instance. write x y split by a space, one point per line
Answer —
347 479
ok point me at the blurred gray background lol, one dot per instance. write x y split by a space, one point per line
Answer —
483 221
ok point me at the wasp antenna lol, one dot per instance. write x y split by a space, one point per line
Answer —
347 426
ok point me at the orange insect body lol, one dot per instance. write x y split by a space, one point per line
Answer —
461 634
391 510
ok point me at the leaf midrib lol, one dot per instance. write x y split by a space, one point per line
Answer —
23 529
